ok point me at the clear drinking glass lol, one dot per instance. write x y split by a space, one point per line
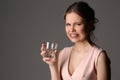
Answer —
50 47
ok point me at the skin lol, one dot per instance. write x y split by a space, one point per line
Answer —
74 28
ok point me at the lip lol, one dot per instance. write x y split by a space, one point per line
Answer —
74 35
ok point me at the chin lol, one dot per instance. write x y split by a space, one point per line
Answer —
75 40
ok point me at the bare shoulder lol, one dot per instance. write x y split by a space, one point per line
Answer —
103 58
103 66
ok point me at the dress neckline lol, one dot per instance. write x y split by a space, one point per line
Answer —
68 61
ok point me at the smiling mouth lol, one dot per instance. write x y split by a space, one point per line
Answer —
74 35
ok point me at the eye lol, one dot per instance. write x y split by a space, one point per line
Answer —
79 24
67 24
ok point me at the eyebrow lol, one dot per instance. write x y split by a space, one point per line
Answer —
75 22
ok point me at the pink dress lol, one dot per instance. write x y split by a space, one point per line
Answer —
86 68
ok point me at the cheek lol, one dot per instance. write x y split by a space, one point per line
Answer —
66 29
81 31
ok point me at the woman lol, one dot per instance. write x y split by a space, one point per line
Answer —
84 60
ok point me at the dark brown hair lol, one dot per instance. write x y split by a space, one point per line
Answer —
87 13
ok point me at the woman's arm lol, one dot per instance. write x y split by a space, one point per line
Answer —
55 75
103 67
55 70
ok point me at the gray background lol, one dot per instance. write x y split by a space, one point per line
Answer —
24 24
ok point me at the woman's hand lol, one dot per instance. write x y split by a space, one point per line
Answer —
53 62
50 61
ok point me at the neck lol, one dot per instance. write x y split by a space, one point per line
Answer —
82 45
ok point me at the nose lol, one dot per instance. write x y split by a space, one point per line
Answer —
72 29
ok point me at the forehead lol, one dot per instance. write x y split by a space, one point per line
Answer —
73 17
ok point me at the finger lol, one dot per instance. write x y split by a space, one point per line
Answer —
43 46
46 59
56 51
43 53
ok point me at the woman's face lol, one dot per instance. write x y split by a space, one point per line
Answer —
75 27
